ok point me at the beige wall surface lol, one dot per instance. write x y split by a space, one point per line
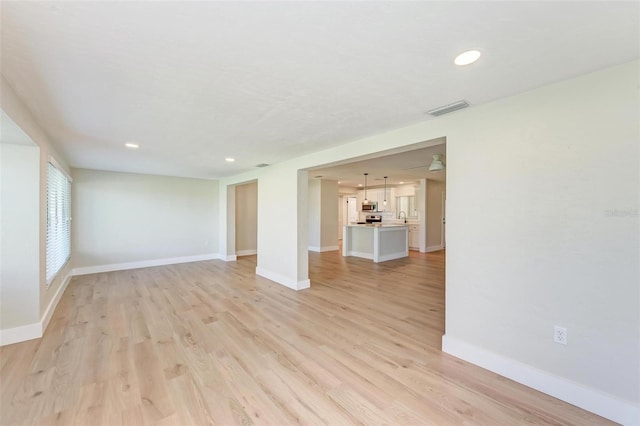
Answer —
329 209
323 214
125 217
315 216
247 217
434 212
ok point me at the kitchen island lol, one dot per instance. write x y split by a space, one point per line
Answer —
376 242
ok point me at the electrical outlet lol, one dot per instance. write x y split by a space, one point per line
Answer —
560 335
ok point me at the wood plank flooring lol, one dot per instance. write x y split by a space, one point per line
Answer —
211 343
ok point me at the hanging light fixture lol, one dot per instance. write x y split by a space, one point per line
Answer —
436 163
366 201
385 190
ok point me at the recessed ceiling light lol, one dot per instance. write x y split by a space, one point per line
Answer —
132 145
401 183
468 57
229 160
359 184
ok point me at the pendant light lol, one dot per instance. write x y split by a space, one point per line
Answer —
366 201
385 190
436 163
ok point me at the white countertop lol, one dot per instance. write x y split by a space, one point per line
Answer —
384 225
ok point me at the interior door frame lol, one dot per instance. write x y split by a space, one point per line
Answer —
443 220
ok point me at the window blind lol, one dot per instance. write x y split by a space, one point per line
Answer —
58 221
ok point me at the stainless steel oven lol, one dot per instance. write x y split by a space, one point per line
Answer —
374 218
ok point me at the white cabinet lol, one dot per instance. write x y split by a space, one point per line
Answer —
414 237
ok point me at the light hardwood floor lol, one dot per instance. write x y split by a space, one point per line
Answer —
211 343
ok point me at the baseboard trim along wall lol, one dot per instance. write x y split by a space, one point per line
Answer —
321 249
48 313
23 333
590 399
359 254
246 252
36 330
281 279
433 248
84 270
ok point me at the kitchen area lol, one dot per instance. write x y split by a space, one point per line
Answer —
387 205
388 222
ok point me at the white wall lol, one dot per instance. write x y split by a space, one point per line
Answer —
403 190
530 242
19 236
121 218
20 114
247 218
542 227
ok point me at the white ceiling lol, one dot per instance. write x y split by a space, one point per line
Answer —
402 167
193 82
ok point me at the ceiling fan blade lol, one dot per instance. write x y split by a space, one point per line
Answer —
417 167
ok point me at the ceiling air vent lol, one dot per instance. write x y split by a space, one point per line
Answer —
448 108
262 165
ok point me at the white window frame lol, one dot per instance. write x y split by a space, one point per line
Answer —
58 211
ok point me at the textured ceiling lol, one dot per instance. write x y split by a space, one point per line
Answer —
405 167
193 82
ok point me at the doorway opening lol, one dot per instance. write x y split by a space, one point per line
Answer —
241 221
246 219
405 193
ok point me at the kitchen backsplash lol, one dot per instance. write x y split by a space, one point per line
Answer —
388 216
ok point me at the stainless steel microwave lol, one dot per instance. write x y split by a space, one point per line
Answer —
372 206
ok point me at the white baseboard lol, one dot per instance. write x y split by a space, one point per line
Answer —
303 284
281 279
321 249
23 333
246 252
590 399
433 248
392 256
48 313
229 258
84 270
359 254
35 330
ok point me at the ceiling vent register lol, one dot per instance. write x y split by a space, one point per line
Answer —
446 109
